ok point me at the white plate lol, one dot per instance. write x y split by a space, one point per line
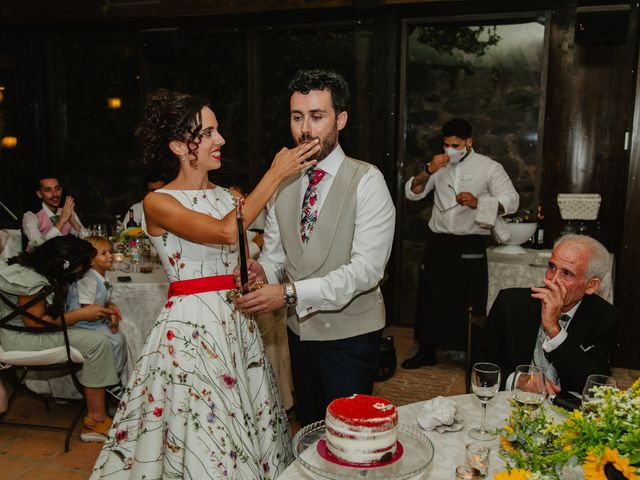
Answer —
417 455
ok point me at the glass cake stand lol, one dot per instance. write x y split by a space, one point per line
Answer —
417 455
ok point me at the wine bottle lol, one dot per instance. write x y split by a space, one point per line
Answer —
538 237
131 222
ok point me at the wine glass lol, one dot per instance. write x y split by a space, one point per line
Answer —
99 230
84 232
528 387
596 380
485 382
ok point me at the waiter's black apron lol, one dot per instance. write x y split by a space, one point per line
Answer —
452 278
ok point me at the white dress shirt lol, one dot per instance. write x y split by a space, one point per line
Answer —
32 232
550 344
372 241
88 289
477 174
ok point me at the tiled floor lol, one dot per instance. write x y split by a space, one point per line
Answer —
33 454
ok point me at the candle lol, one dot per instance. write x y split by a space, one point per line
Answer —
477 456
464 472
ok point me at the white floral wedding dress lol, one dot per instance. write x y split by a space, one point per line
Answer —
202 402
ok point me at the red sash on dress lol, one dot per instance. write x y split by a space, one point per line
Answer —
199 285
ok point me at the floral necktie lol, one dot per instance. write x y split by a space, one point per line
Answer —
310 204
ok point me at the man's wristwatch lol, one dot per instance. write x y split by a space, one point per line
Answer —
290 295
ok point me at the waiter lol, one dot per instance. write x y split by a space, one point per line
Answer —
471 193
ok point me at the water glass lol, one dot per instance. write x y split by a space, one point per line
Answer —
134 255
477 456
99 230
118 258
84 232
596 380
485 382
528 386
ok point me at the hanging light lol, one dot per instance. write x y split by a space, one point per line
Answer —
114 103
9 142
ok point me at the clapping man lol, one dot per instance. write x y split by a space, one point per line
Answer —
52 219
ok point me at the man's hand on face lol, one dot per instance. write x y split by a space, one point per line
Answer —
553 296
266 299
437 162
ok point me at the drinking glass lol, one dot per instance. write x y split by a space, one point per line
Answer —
477 456
84 232
596 380
118 258
485 382
528 387
99 230
134 255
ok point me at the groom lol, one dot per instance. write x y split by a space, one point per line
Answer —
328 237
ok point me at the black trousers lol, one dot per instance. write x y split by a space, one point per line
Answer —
453 276
325 370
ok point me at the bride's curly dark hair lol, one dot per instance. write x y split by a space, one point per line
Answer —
170 116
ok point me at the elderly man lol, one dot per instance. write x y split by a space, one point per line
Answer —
563 326
52 220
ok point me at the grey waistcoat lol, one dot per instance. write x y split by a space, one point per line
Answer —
328 249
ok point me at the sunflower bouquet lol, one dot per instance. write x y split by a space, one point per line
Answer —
602 439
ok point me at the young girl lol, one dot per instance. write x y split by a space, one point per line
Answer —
93 288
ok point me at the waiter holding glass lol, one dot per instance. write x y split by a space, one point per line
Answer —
471 193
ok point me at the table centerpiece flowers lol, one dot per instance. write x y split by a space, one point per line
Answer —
600 441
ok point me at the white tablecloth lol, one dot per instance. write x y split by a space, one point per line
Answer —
10 243
449 446
140 302
506 271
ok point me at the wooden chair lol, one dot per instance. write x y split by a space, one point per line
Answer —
474 324
18 364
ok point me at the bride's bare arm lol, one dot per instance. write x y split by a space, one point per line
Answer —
165 213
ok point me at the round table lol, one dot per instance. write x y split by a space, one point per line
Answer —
449 446
140 301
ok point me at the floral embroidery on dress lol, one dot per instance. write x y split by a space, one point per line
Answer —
202 376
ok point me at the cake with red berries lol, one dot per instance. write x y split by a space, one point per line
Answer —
362 429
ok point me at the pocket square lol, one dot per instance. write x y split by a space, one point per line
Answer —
586 349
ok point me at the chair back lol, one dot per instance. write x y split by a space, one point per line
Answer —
17 310
63 357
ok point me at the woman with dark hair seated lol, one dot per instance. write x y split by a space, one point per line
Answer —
61 260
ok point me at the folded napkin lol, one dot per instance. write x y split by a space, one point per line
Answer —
440 414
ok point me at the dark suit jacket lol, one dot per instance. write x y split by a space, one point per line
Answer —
512 328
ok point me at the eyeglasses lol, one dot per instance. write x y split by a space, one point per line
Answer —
446 209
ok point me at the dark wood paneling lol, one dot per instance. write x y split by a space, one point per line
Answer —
627 286
588 91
